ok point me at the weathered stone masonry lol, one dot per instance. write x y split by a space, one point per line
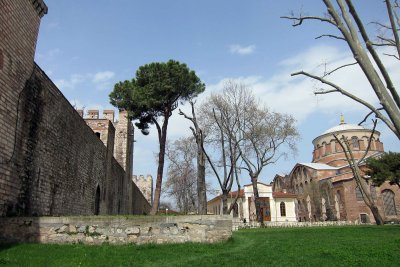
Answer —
51 162
116 230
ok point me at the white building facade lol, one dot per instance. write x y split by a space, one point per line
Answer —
275 206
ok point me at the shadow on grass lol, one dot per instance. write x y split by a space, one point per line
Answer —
7 246
4 261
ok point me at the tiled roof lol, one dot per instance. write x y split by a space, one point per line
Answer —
319 166
283 195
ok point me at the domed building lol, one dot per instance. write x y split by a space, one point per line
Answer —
326 188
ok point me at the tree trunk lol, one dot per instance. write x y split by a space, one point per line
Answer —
369 201
377 215
256 199
201 180
160 169
224 202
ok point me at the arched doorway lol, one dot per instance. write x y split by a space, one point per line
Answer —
97 201
388 202
235 210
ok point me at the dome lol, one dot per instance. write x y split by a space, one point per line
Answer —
343 127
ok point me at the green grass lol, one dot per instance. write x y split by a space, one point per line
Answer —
328 246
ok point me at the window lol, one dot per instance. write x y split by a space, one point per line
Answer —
364 218
235 210
98 134
305 173
283 209
354 142
388 202
359 195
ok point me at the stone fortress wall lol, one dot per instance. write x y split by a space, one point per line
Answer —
51 162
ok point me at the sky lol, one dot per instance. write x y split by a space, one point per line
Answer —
86 47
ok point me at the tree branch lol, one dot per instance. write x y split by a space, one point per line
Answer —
330 36
299 20
355 98
369 141
369 114
373 53
338 68
394 27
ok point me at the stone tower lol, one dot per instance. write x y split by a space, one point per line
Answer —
123 153
145 186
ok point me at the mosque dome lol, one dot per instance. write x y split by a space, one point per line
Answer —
343 127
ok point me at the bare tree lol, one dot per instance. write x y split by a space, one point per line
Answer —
263 137
222 154
182 178
201 161
252 132
362 184
344 17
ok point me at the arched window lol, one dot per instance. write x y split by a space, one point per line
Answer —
359 195
354 142
283 209
323 149
305 173
98 134
388 202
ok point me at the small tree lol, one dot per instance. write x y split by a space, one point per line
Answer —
153 95
181 179
385 168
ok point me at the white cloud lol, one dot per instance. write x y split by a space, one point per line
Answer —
242 50
295 95
103 76
71 83
99 81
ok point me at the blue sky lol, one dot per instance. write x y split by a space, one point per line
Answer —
87 46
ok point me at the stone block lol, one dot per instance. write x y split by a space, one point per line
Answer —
132 230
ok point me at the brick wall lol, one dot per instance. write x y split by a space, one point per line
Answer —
19 25
51 162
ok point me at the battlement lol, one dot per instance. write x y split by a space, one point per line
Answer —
108 114
40 7
145 185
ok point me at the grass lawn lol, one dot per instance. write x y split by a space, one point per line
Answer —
328 246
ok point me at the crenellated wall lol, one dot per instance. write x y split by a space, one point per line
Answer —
51 161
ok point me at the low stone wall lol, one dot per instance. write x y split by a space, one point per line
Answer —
238 224
97 230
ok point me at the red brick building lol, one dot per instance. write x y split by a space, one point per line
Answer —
326 187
